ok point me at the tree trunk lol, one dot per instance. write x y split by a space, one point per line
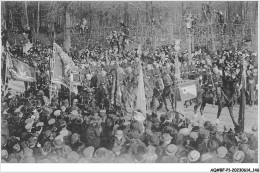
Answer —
3 15
26 13
38 18
146 13
126 16
67 39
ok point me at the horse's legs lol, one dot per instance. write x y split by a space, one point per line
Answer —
197 105
153 104
219 112
165 103
230 108
202 109
173 101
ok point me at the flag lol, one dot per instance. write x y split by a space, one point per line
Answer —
141 101
21 71
16 86
69 64
188 90
58 70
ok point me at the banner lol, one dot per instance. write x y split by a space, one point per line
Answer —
188 90
58 70
69 64
16 86
22 71
141 101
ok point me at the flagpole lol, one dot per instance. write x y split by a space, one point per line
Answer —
175 82
5 74
241 118
70 88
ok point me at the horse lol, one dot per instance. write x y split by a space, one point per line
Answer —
160 95
226 96
102 97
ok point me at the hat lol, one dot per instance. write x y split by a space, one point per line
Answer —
28 126
194 136
62 123
243 138
73 157
51 121
64 132
135 134
66 149
29 120
250 155
63 108
194 156
166 137
117 150
238 156
74 113
27 152
139 116
119 133
88 152
32 141
212 144
48 133
154 140
207 125
182 151
75 138
79 121
171 150
58 143
39 124
243 147
219 138
57 113
184 160
101 153
206 157
213 130
4 153
184 131
222 152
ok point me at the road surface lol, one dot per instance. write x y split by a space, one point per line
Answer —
210 114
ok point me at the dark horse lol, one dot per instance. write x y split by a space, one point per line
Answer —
226 96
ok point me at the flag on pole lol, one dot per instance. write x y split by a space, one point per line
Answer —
59 75
188 90
20 70
141 101
69 64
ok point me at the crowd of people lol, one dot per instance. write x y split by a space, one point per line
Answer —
36 129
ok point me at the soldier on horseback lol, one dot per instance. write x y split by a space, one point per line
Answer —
158 89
